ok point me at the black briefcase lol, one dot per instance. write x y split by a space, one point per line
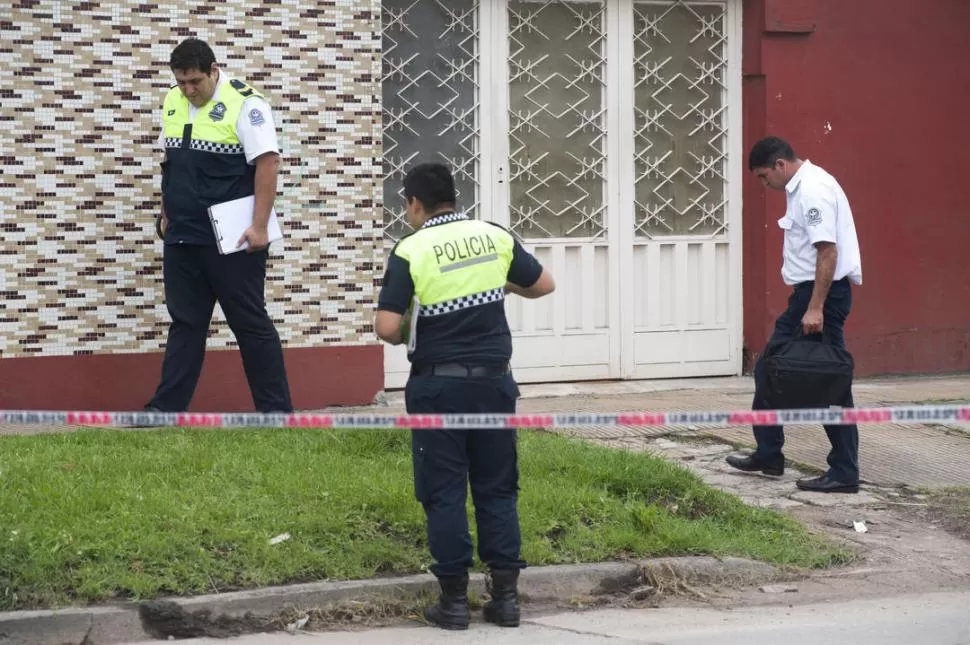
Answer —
807 372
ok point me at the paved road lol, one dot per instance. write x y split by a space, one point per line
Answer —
937 619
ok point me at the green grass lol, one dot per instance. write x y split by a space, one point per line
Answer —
98 515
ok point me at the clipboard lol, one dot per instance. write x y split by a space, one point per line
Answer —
231 219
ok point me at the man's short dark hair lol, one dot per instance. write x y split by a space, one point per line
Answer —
431 184
192 53
769 150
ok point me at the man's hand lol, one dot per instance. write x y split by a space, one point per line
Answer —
813 321
257 237
161 223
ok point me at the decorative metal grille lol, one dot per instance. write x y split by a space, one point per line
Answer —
557 130
681 108
430 98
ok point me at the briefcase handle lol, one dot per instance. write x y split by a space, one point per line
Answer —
824 336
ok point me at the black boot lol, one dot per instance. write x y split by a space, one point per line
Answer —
451 612
503 605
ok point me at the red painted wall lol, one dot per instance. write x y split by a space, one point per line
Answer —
876 92
318 377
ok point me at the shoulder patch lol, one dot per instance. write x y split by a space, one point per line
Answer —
813 217
256 117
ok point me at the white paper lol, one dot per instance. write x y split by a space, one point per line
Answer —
231 219
413 327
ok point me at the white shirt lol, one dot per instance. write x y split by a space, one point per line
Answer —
818 211
254 127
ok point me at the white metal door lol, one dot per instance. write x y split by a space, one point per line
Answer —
553 181
599 132
681 259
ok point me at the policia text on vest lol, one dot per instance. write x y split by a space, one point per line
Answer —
220 145
458 271
466 252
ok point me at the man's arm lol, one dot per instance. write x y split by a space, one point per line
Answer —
257 133
828 255
161 221
541 287
821 223
528 278
390 326
267 172
394 300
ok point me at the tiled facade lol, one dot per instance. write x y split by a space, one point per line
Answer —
81 85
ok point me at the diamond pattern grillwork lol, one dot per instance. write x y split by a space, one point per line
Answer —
681 109
430 98
557 130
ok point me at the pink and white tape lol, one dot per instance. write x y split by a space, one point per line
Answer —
228 420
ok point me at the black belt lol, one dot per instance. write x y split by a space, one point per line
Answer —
458 370
811 283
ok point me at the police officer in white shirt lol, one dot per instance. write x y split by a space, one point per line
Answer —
821 262
220 145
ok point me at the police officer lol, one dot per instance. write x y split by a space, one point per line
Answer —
220 144
460 270
821 261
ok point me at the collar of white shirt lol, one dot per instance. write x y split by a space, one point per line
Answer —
796 179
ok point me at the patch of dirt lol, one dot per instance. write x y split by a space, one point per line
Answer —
168 620
915 541
950 508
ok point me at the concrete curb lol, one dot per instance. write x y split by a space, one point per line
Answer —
113 625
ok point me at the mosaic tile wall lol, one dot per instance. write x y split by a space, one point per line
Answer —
81 85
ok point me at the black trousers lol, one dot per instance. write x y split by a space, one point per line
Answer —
195 278
843 459
446 461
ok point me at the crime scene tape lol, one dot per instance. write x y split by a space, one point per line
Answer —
535 421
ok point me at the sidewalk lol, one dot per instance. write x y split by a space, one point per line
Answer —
891 454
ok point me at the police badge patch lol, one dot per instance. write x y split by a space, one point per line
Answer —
256 117
814 217
218 112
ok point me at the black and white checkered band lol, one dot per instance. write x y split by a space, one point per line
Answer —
207 146
218 148
444 219
465 302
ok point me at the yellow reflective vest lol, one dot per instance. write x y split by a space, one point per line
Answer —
204 163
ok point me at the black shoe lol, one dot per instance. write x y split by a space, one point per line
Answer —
825 485
503 605
755 463
451 612
148 409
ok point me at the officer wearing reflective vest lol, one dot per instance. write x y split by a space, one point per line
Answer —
220 144
450 278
